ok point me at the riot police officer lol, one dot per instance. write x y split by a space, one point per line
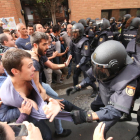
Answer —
111 66
91 23
80 51
104 35
88 32
113 27
88 21
73 22
133 49
131 32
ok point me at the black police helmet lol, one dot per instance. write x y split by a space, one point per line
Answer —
92 21
78 27
126 17
112 18
96 18
105 24
83 21
96 26
73 22
135 23
108 59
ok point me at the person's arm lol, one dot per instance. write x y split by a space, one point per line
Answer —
58 66
53 56
25 111
99 132
60 54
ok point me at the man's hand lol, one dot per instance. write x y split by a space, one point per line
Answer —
55 54
59 101
51 109
77 66
33 132
67 49
99 132
26 107
68 60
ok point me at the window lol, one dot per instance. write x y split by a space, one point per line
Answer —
106 14
138 12
124 12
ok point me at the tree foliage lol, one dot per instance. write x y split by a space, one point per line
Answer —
51 5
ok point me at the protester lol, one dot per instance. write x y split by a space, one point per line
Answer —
30 29
23 42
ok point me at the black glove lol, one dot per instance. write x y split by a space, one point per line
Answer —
80 116
72 90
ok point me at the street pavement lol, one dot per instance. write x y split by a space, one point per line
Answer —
120 131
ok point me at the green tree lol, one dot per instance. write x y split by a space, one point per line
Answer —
51 5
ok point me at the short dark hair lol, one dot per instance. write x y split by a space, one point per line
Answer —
12 58
56 28
36 37
29 25
2 133
3 37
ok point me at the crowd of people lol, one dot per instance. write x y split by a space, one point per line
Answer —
33 56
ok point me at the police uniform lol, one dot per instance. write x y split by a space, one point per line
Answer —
116 95
128 35
133 50
104 36
81 52
113 27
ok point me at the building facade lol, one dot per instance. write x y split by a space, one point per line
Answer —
103 9
11 8
28 11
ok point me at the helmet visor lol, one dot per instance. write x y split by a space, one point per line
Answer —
100 73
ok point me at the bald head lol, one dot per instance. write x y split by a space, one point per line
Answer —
22 30
69 27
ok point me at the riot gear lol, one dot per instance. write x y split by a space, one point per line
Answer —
91 22
83 21
95 27
107 65
126 17
112 20
105 24
138 37
88 20
135 23
79 28
73 22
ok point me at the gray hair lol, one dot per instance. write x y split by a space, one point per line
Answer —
19 26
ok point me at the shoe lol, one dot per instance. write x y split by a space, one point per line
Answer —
68 76
126 117
65 133
137 137
93 95
60 82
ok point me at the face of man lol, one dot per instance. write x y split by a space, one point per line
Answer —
23 30
30 30
50 39
9 132
39 28
111 20
69 27
75 34
10 42
27 70
43 47
1 68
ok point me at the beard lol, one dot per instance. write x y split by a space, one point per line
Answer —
40 52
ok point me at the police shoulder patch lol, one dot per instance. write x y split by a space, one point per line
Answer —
86 47
101 39
130 90
96 36
90 29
